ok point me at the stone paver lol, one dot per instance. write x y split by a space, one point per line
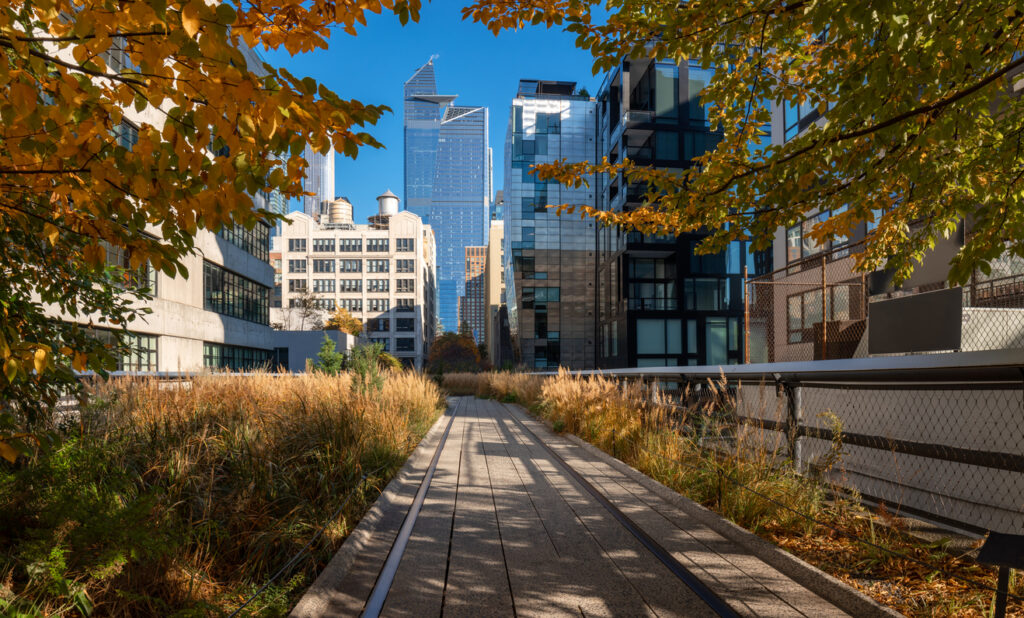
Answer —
506 530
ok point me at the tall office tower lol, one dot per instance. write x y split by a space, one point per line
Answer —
549 260
658 302
275 202
447 179
473 304
319 181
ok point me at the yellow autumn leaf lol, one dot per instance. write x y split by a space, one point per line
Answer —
40 359
8 452
190 18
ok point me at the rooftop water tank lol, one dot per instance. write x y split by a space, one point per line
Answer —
340 211
387 203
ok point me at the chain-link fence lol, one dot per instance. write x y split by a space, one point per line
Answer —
940 441
820 308
813 311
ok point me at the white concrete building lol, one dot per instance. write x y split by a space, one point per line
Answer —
218 317
382 272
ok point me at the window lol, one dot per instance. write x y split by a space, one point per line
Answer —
352 304
405 285
659 337
405 344
549 123
323 245
324 303
796 118
804 310
709 294
378 325
405 325
404 305
698 79
666 145
384 341
297 285
647 268
233 295
117 58
377 285
800 245
323 266
380 245
350 266
323 285
378 304
350 285
376 266
133 352
405 266
255 242
126 135
350 245
296 266
539 296
405 245
297 245
220 356
138 279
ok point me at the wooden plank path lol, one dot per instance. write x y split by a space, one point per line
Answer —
515 520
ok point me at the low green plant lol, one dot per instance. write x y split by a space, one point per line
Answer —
364 362
328 359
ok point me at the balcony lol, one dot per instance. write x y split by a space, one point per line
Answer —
653 304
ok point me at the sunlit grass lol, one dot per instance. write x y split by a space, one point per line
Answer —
168 497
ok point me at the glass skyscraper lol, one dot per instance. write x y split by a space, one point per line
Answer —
447 180
319 180
549 260
658 302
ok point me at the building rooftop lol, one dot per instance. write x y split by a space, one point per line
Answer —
546 89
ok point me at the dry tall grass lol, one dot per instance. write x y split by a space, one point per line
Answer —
507 386
187 497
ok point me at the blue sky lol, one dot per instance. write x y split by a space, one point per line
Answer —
471 62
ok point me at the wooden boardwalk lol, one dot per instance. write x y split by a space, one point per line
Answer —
518 521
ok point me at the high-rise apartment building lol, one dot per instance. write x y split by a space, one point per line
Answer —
447 179
382 272
659 303
549 260
473 304
319 181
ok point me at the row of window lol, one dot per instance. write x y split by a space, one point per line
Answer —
402 344
383 325
800 245
352 245
238 358
402 286
666 337
351 266
233 295
134 352
255 242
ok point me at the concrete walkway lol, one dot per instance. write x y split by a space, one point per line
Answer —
506 529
